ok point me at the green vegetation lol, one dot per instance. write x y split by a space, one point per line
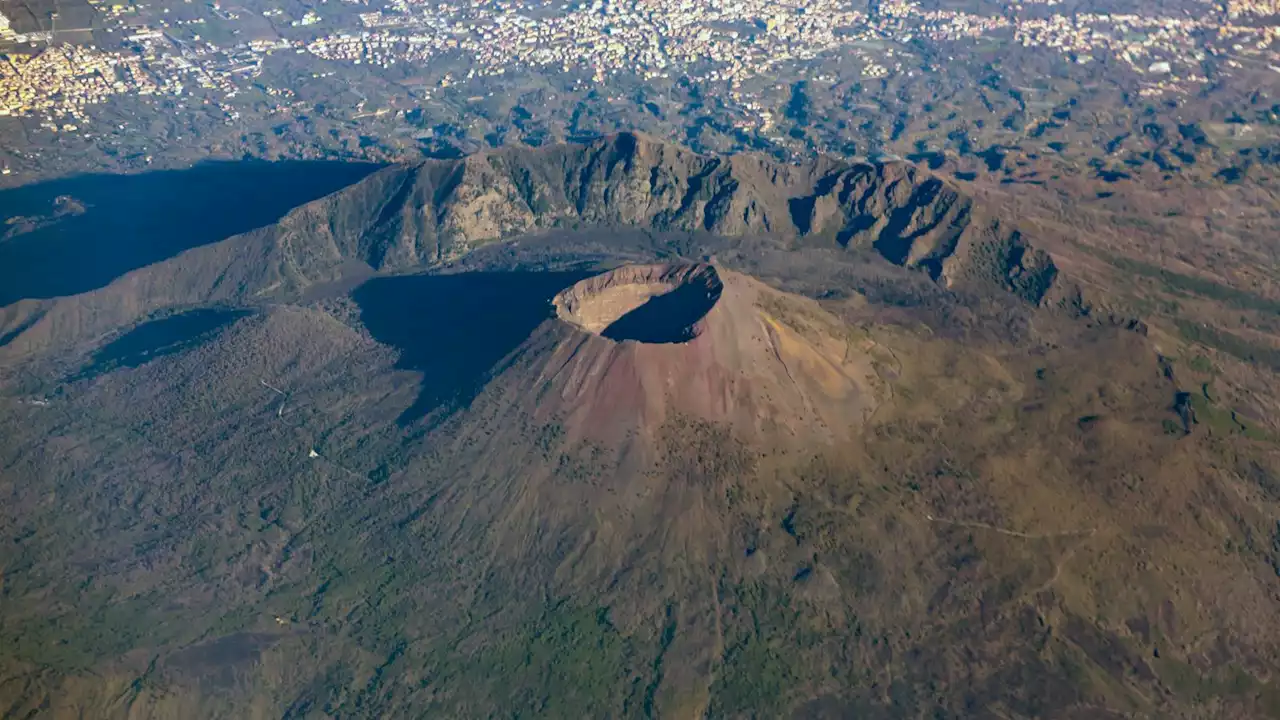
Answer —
1179 282
104 627
1201 364
1222 420
568 662
1230 343
406 569
760 659
1227 682
755 677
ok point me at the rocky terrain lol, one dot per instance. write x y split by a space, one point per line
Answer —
647 303
406 217
619 430
438 210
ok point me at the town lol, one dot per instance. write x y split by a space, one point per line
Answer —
389 79
723 42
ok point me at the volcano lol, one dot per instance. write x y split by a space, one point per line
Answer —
618 430
630 348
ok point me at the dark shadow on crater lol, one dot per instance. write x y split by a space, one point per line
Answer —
77 234
666 318
455 328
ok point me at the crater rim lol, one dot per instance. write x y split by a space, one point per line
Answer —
657 304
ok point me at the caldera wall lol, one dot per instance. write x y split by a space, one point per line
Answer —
643 303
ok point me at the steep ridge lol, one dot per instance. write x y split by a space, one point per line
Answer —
407 217
437 210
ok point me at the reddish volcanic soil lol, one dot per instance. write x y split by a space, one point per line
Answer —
714 345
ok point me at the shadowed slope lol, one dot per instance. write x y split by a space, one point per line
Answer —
160 337
454 328
645 303
610 529
439 210
666 318
71 236
408 217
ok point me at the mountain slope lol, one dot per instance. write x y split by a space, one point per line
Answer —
779 514
607 473
437 210
409 217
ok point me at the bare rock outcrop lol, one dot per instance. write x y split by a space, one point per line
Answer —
409 217
437 210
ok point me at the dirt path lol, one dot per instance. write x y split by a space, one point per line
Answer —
1010 533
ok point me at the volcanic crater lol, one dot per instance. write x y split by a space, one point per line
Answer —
657 304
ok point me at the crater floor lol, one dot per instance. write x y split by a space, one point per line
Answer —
642 303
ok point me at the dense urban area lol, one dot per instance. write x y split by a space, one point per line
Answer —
127 84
